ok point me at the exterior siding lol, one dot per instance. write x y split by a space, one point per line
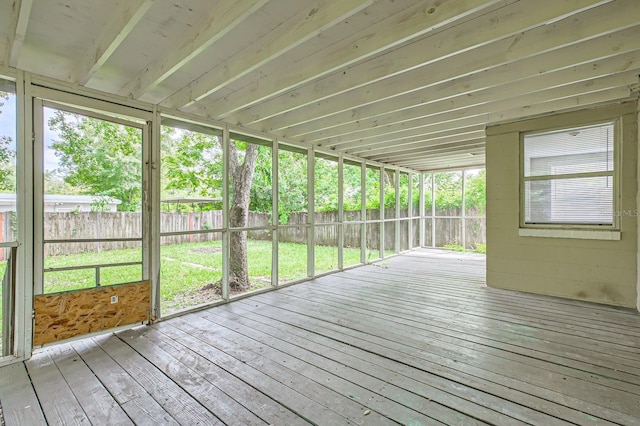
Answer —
591 270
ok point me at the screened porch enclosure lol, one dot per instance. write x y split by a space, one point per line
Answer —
287 212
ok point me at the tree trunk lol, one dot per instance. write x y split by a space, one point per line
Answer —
241 179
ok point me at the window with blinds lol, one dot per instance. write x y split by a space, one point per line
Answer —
568 177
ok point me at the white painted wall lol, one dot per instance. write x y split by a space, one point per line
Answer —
602 271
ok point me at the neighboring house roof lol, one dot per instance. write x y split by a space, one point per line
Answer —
55 198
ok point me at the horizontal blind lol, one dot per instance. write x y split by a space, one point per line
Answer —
568 176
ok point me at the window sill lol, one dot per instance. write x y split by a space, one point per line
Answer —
581 234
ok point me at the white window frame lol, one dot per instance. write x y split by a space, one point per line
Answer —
574 230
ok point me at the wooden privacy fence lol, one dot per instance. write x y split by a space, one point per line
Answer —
114 225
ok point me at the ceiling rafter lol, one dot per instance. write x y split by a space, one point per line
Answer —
508 91
466 161
429 150
20 13
414 135
112 35
419 19
562 66
304 26
482 100
594 92
227 15
567 103
587 100
393 148
411 84
428 50
467 145
405 131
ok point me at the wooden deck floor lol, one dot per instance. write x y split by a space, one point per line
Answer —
416 340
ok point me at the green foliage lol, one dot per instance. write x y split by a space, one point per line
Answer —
448 190
261 193
7 157
372 188
292 184
448 194
7 168
476 191
191 163
352 193
479 248
326 185
101 157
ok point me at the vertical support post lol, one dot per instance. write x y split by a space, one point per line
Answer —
311 219
410 211
464 220
381 185
275 219
340 212
153 214
156 213
37 187
225 214
638 206
25 211
397 220
433 209
363 212
421 220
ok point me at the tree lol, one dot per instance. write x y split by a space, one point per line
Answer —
242 164
192 163
100 157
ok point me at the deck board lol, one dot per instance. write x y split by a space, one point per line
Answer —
20 404
415 339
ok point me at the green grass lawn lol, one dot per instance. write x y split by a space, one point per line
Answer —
186 269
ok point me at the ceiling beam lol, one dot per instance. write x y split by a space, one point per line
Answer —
444 159
438 156
457 40
307 24
414 135
587 100
376 135
419 19
457 163
440 82
579 64
392 149
128 14
411 154
20 13
540 106
622 79
227 15
590 92
391 121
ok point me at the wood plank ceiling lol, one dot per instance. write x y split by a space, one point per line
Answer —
404 82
